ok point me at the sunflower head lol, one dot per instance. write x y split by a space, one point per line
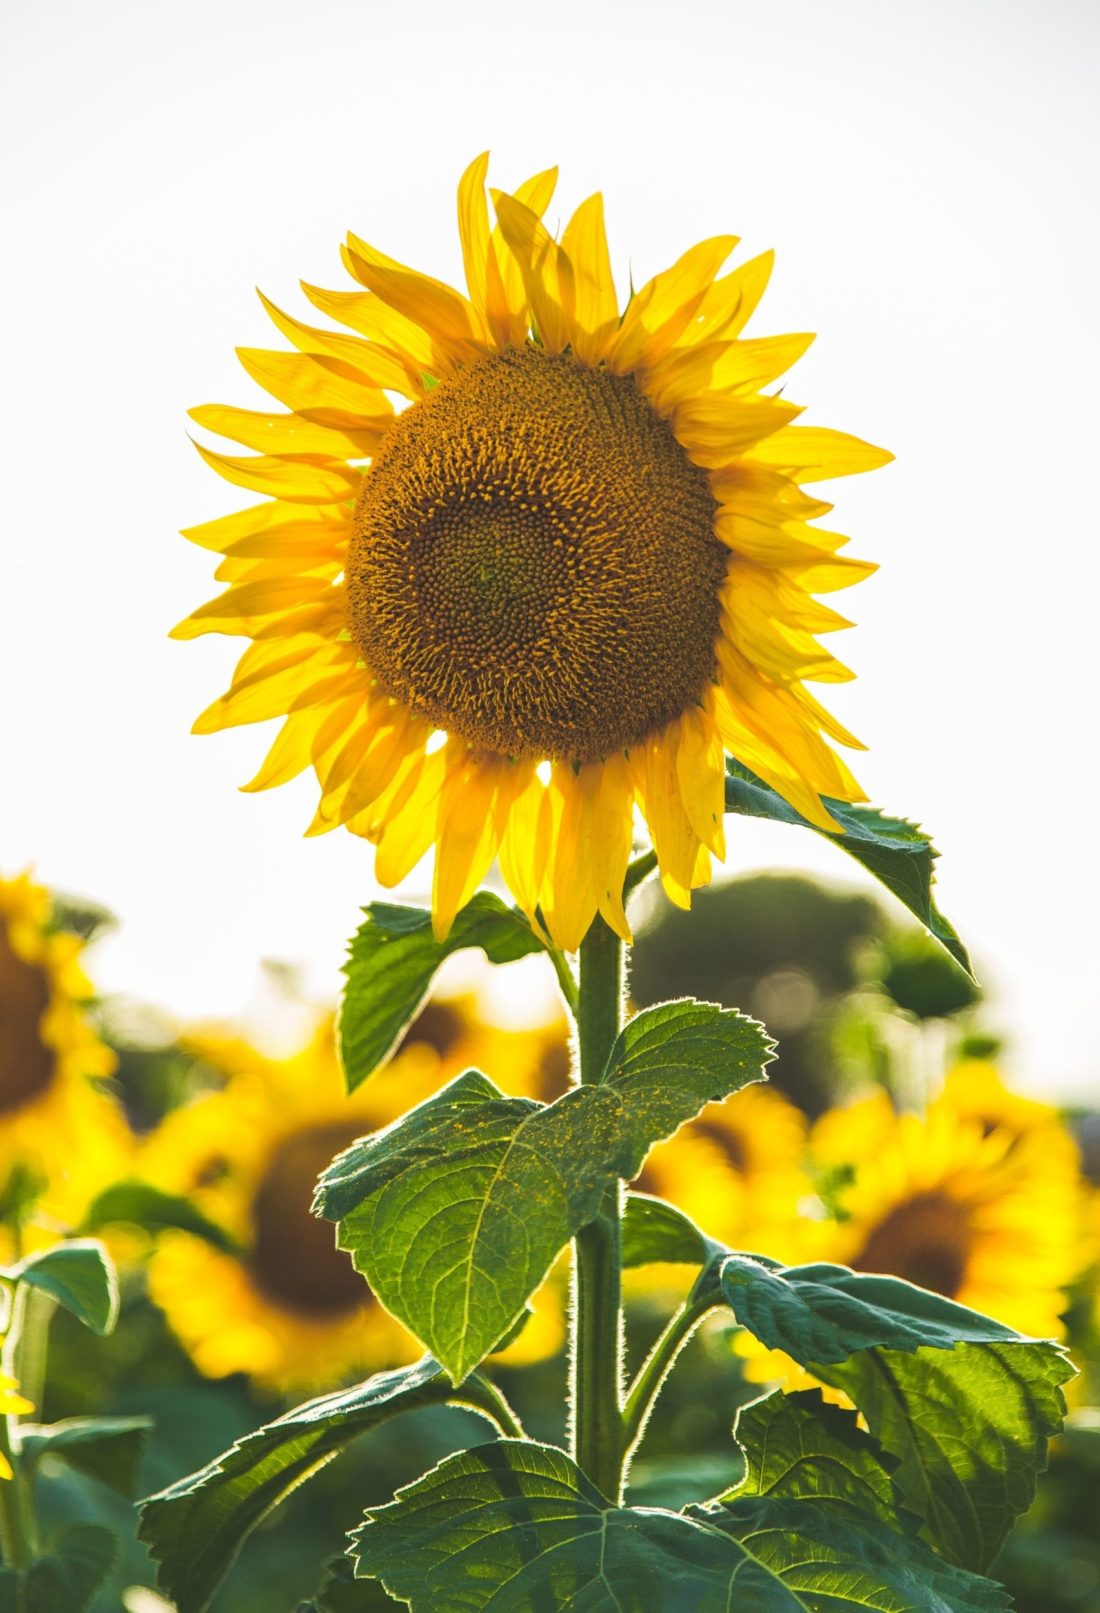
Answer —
559 580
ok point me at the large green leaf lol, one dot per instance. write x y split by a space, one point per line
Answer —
822 1313
108 1448
196 1527
671 1060
899 854
969 1428
797 1447
456 1213
962 1403
140 1204
515 1527
66 1579
392 959
78 1275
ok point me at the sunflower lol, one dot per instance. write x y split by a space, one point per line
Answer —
65 1133
287 1307
962 1208
951 1205
567 571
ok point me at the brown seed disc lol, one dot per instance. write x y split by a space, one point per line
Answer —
294 1255
534 566
27 1063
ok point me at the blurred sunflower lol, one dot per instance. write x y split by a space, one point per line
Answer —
288 1307
12 1404
571 570
56 1126
737 1171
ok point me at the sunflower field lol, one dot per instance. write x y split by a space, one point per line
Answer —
623 1238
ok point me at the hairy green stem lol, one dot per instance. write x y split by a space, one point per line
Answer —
656 1368
597 1298
479 1393
639 870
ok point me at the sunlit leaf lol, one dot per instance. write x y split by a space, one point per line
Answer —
392 960
107 1448
897 853
79 1276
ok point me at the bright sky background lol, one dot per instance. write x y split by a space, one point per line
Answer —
927 176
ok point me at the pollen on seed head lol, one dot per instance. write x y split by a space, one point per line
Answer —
534 565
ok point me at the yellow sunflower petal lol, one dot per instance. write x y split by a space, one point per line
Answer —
584 241
816 453
665 306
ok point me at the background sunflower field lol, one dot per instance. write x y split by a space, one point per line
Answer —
888 1140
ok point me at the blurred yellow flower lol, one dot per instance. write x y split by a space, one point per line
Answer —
12 1404
461 608
55 1123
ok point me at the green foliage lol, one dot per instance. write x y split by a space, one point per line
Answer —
797 1446
920 979
824 1313
65 1580
899 854
969 1429
78 1275
456 1213
107 1448
196 1527
515 1527
655 1231
391 962
140 1204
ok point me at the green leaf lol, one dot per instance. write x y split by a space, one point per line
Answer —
515 1527
827 1555
392 959
196 1527
654 1231
341 1592
797 1447
456 1213
80 1276
962 1403
969 1429
140 1204
671 1060
899 854
107 1448
823 1313
64 1581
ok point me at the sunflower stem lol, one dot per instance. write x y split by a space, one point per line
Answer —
656 1368
597 1299
482 1394
639 870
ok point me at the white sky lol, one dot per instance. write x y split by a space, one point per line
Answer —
927 176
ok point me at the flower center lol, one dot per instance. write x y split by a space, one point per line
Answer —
926 1240
294 1257
27 1063
534 565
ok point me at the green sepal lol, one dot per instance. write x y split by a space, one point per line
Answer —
66 1579
896 852
140 1204
109 1449
392 959
515 1527
195 1528
78 1275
